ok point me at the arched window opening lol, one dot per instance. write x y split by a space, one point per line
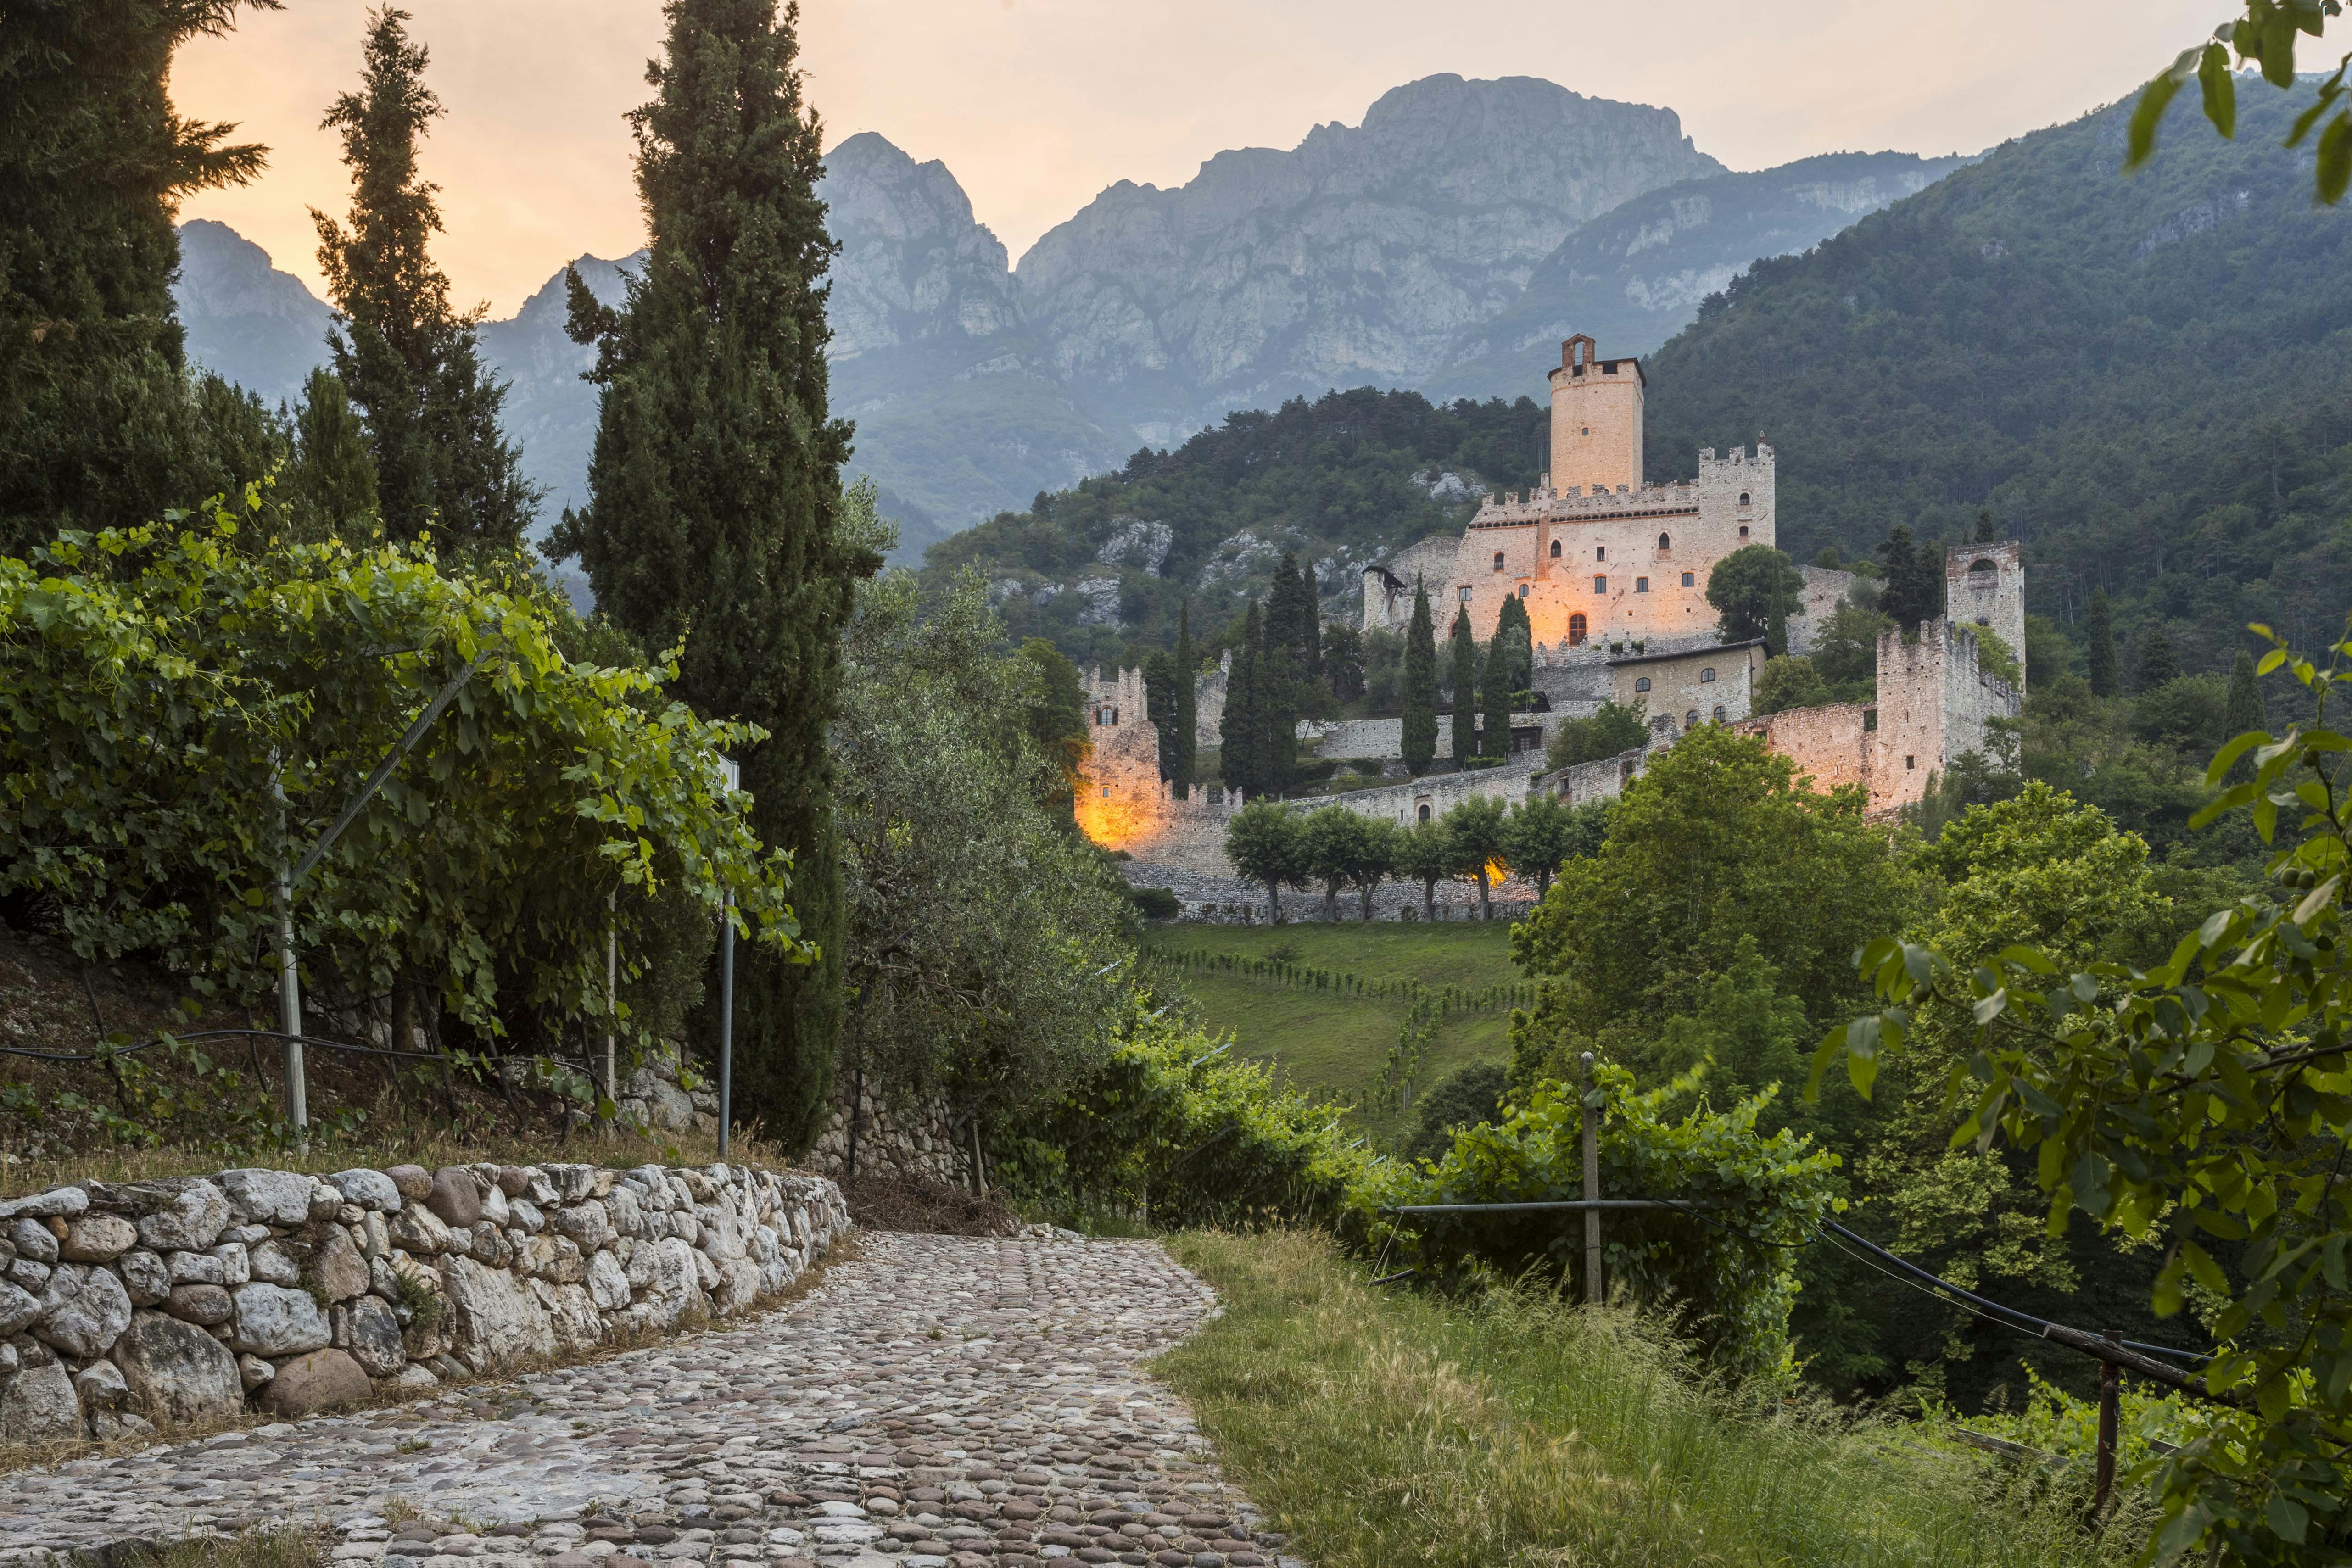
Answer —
1554 550
1576 631
1743 498
1981 565
1665 542
1743 530
1718 713
1690 719
1499 560
1641 683
1424 814
1523 590
1706 675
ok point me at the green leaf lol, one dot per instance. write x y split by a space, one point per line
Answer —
2154 99
2221 90
2209 1273
2287 1520
2334 171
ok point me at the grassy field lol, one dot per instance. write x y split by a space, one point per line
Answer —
1391 1429
1329 1041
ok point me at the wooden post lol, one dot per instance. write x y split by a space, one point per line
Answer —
2111 1379
1592 1292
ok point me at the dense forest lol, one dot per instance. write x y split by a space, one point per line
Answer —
1343 481
2140 375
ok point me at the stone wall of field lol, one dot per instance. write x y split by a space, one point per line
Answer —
132 1307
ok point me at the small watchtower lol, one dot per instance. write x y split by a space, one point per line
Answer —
1984 585
1596 419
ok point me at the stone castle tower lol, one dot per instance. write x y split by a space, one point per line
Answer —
1984 585
1596 419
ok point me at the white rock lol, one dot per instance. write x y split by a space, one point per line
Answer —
38 1405
253 1372
33 1239
494 1314
58 1203
268 1198
269 1263
273 1320
18 1307
100 1386
83 1310
193 1219
608 1282
235 1261
194 1269
369 1189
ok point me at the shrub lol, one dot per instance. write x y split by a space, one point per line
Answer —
1156 903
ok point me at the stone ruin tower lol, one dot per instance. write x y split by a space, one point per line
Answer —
1984 585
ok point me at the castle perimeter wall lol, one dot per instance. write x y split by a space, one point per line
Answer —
1831 745
143 1306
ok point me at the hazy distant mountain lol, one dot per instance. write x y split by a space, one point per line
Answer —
256 326
1358 257
1634 276
1436 246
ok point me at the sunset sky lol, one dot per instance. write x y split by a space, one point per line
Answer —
1036 105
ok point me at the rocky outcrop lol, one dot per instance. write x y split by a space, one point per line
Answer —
261 327
129 1308
1357 256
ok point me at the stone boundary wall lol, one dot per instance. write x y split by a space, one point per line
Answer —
917 1141
143 1306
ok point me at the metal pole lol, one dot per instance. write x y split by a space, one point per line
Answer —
2111 1377
1592 1293
612 991
726 1021
289 979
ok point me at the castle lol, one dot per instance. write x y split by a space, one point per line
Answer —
1613 570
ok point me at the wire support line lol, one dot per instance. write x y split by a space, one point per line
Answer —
197 1034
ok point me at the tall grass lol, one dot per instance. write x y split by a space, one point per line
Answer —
1385 1430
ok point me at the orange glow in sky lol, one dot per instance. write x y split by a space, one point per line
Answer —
1036 105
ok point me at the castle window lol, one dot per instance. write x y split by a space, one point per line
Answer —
1465 593
1743 497
1423 814
1554 550
1600 584
1587 429
1690 580
1641 585
1690 719
1105 791
1609 369
1601 552
1984 621
1718 713
1664 542
1981 565
1576 631
1706 675
1499 560
1523 590
1641 683
1910 762
1743 530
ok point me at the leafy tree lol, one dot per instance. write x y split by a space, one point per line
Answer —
1544 833
403 355
1495 698
1056 721
1376 857
2158 662
1611 731
1914 590
1419 688
1267 843
1995 657
1715 838
1187 710
1845 652
2197 1107
715 494
954 864
331 480
1424 853
1466 1097
93 163
2265 36
1788 682
1343 661
1754 590
1337 841
1481 833
1463 680
2105 679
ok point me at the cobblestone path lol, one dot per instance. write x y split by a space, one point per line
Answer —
936 1400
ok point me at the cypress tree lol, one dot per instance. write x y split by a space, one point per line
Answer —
1277 737
2105 679
1187 710
406 357
2158 663
1244 720
1519 634
1464 677
92 164
715 503
1495 698
1420 687
1914 590
331 483
1294 619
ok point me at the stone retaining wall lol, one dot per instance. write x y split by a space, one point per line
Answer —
917 1141
126 1308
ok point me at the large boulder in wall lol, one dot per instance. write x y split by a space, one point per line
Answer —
39 1404
322 1380
493 1313
176 1374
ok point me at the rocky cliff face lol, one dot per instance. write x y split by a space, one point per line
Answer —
1634 276
1355 258
549 412
256 326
